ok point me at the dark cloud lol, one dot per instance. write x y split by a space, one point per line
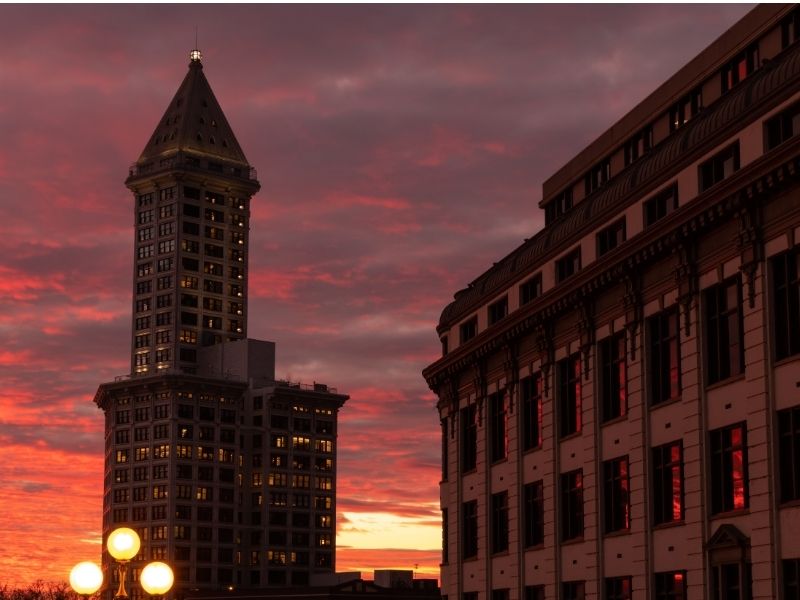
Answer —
401 151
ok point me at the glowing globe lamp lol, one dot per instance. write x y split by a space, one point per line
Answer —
85 578
156 578
123 543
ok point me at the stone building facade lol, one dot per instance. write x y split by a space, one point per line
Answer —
620 396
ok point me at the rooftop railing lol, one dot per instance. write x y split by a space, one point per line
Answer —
191 163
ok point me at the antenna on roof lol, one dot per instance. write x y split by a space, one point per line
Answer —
195 55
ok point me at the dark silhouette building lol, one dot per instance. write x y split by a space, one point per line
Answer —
619 396
227 474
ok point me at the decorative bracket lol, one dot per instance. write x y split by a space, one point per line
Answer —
544 344
750 247
686 280
479 385
452 394
634 310
586 332
511 369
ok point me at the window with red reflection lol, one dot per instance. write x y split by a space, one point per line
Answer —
728 469
616 497
613 377
569 395
668 483
670 585
617 588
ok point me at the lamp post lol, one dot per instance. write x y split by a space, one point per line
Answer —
123 544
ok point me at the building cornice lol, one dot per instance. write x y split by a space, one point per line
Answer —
767 174
775 82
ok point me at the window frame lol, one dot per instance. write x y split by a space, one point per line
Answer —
664 483
722 481
723 323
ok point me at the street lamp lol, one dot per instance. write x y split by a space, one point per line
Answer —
123 544
156 578
86 578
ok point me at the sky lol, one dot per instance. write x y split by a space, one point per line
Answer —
401 151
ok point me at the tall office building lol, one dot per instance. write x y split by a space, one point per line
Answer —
619 395
228 474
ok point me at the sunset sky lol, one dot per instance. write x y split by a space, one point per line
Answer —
401 151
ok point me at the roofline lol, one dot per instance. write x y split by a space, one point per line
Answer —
733 40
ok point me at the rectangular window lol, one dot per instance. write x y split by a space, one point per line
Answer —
670 585
500 594
531 391
786 303
610 237
738 69
663 338
569 395
469 529
572 590
144 287
616 495
558 206
530 289
685 109
782 127
660 205
469 439
613 377
617 588
499 522
790 576
498 418
597 176
534 592
533 513
719 167
724 336
789 453
568 265
468 330
498 310
571 505
668 483
730 582
638 145
729 469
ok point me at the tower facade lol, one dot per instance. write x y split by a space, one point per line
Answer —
192 186
226 473
619 395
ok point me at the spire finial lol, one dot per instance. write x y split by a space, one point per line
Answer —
195 55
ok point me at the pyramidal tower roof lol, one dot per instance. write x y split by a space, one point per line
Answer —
194 123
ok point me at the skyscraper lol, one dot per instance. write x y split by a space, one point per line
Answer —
226 473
